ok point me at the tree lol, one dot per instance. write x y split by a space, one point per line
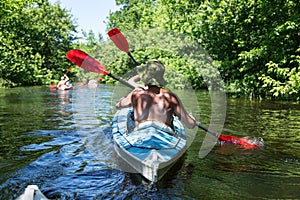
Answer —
36 37
255 44
133 14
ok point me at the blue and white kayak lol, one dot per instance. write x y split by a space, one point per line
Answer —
152 148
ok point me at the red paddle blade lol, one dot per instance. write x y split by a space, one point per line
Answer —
118 38
243 142
83 60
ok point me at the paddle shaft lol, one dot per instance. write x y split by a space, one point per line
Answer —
69 69
206 129
132 58
87 62
121 80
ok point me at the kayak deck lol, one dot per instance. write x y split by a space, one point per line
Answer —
151 149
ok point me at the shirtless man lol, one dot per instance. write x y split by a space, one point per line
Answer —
63 83
153 103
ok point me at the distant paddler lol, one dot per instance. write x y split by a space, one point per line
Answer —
64 83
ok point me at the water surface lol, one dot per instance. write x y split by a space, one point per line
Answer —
60 141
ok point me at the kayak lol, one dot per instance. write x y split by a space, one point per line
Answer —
32 192
151 148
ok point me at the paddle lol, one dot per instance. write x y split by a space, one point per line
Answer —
243 142
88 63
69 69
120 41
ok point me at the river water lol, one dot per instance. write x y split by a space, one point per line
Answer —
60 141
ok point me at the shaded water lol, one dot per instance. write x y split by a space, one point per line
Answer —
60 141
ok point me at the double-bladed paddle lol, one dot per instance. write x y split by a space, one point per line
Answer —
88 63
120 41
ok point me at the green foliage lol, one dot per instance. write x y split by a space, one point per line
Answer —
35 37
187 64
283 82
253 43
8 7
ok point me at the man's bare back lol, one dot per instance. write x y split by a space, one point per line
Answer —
152 104
158 104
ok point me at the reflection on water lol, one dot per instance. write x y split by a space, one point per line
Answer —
60 140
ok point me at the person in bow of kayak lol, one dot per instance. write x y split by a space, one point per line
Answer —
152 102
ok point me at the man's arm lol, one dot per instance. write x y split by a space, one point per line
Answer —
124 102
58 84
182 114
66 78
133 81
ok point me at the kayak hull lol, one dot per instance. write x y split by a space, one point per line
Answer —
151 150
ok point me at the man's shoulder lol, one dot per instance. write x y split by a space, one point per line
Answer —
164 91
170 95
138 90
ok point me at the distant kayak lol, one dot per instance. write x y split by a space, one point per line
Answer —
53 87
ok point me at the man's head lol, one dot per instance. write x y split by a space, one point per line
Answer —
152 73
64 77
